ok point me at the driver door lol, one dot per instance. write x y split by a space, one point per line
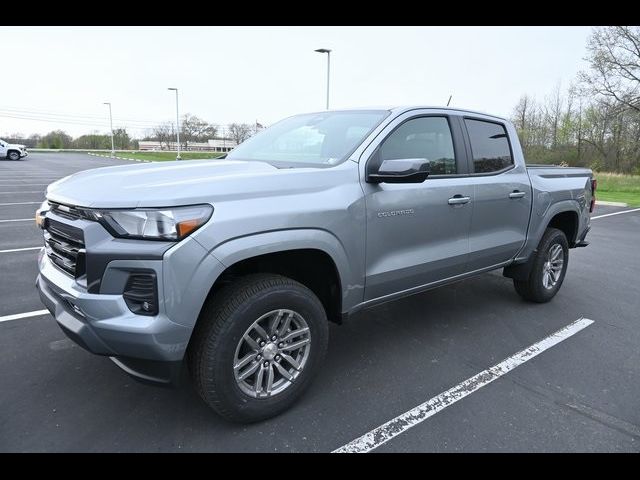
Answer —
417 233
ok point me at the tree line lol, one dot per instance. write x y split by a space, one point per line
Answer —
192 129
596 121
59 139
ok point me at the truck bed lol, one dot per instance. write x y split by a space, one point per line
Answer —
556 171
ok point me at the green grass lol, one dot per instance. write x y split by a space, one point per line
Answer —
633 199
165 156
615 187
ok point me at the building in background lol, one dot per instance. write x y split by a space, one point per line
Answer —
213 145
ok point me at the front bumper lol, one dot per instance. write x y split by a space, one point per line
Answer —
150 348
92 311
23 153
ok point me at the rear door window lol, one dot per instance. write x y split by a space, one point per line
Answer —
489 146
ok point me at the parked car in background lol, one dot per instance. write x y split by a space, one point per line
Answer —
12 151
234 267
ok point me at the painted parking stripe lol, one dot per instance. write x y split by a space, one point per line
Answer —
382 434
19 203
18 316
616 213
26 249
18 220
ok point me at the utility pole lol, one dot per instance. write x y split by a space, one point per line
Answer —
177 122
113 150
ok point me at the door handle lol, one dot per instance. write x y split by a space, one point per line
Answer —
516 194
458 200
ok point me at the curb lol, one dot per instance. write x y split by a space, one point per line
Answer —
120 158
611 204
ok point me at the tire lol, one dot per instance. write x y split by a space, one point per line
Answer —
534 289
13 155
220 336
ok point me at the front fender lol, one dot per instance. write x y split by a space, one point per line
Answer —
242 248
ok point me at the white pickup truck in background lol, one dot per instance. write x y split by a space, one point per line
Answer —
12 151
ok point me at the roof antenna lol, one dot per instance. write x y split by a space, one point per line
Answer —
449 100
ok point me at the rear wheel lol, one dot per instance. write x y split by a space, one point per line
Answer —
548 270
13 155
258 345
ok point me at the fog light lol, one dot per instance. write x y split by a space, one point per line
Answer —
141 292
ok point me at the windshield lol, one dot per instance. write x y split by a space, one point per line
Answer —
315 139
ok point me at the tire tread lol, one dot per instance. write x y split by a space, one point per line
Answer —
216 317
531 289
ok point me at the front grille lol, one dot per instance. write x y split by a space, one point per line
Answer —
64 245
65 211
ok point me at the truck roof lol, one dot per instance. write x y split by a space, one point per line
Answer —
405 108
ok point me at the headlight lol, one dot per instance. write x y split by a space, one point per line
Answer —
155 223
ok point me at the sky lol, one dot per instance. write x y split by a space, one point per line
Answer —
247 74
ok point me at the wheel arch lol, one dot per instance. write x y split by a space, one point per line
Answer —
13 150
567 221
565 217
315 258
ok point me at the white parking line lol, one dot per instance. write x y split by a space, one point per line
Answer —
11 250
18 316
616 213
18 220
382 434
19 203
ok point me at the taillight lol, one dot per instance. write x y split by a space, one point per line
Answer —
594 186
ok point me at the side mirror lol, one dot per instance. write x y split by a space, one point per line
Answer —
403 170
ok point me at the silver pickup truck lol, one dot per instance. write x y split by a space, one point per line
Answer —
234 267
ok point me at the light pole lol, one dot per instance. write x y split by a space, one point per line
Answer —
113 150
177 122
328 52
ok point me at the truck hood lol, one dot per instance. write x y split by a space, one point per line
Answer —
162 184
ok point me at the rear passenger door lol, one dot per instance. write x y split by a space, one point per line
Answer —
502 194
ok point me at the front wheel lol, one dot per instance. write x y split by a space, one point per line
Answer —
549 268
258 345
13 155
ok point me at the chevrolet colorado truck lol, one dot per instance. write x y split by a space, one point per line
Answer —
12 151
233 268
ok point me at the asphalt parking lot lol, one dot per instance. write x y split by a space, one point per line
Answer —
582 394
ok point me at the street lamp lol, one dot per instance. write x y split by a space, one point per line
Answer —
328 52
177 122
113 150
